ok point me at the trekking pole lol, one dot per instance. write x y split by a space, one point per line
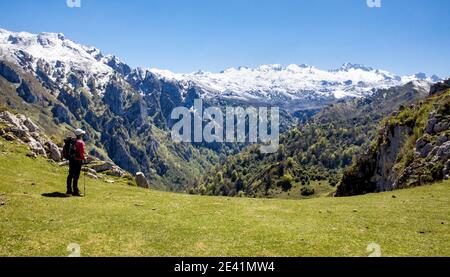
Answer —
84 184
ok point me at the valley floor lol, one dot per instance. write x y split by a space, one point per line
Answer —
119 220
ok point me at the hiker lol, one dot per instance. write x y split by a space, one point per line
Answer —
74 152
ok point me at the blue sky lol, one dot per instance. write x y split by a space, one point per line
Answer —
403 36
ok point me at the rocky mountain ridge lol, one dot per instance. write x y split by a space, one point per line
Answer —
63 85
20 129
311 156
411 149
56 58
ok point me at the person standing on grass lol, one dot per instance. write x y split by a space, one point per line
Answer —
74 152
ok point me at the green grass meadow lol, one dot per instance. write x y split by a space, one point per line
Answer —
122 220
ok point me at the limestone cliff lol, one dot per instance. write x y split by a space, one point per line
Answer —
412 148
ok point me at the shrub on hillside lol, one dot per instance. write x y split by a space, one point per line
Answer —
286 182
307 191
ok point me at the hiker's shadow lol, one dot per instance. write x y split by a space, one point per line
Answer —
55 195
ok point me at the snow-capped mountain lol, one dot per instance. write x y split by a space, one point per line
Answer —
127 111
65 62
294 81
54 50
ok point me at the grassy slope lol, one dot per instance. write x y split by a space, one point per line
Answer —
119 220
321 188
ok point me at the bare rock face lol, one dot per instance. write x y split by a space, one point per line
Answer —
440 87
393 163
141 181
21 134
54 152
385 175
9 137
425 150
441 127
442 139
92 176
109 169
22 129
442 153
432 120
26 93
89 170
8 73
30 125
116 171
37 148
10 118
102 167
446 170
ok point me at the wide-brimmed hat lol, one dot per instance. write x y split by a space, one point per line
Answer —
79 132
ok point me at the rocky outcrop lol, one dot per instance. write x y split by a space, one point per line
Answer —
61 114
124 110
440 87
22 129
53 151
387 155
17 127
8 73
412 149
109 169
25 91
141 181
30 125
120 67
116 172
102 167
115 97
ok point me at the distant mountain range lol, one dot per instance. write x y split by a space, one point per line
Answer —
311 156
294 87
63 85
277 84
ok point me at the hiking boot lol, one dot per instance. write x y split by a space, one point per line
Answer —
76 194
